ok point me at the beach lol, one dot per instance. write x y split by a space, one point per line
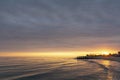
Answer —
58 68
111 58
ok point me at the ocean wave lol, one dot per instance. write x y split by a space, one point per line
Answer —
57 69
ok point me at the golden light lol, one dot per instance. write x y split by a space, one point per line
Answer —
105 53
44 54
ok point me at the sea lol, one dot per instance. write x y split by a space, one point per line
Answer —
57 68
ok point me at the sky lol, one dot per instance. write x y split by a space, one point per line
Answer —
59 25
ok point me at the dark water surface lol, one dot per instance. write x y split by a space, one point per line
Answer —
41 68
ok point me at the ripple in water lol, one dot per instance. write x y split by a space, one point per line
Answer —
39 68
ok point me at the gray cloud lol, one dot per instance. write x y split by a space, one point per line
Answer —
64 24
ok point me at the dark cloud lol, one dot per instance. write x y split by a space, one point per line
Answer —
27 25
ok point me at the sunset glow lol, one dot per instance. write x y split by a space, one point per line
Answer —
105 53
37 54
54 54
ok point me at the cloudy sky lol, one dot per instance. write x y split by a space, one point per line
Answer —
59 25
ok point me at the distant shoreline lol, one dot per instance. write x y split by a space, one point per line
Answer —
105 58
113 57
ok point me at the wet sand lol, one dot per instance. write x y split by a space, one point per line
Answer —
111 58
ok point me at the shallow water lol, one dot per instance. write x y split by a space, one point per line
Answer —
41 68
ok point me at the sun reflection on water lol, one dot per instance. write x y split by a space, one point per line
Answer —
107 63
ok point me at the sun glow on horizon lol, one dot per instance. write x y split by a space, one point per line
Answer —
55 54
37 54
105 53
